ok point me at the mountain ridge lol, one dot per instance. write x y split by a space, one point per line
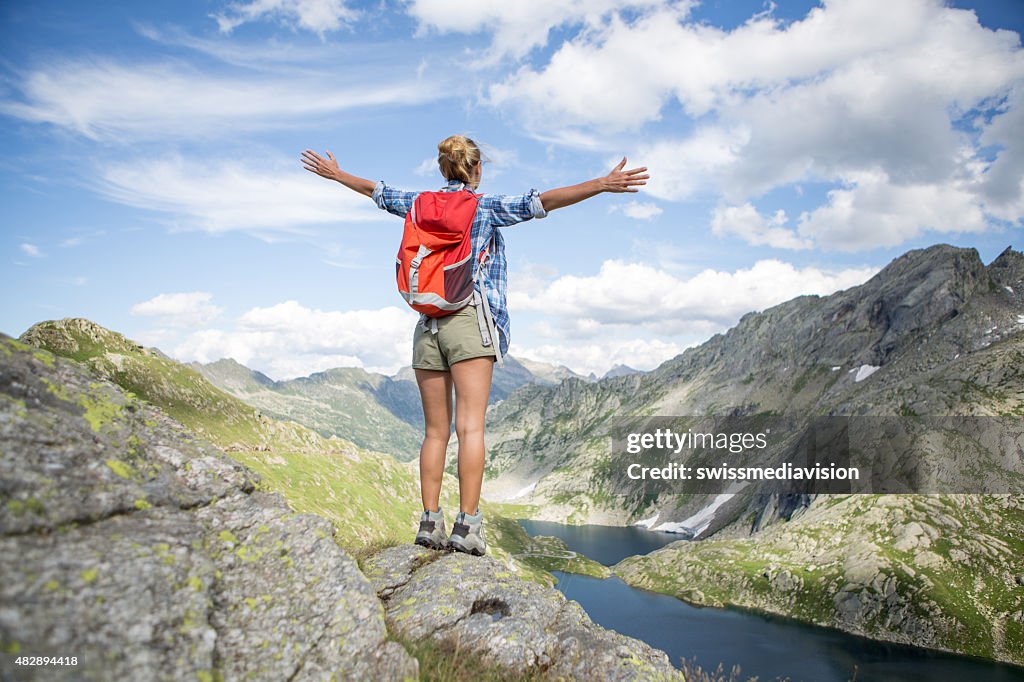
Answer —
800 357
373 410
936 332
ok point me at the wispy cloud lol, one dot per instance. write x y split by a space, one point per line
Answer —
259 196
30 250
80 237
318 16
637 210
106 99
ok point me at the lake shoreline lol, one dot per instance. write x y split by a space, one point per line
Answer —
892 658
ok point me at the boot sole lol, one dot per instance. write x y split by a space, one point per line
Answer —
430 544
452 547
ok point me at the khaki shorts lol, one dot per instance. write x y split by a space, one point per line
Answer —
457 338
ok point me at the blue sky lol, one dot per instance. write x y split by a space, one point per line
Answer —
150 179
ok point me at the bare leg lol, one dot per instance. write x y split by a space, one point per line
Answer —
436 395
472 389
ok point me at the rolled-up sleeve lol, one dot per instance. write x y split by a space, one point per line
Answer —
392 200
509 209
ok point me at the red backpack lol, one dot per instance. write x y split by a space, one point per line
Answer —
434 267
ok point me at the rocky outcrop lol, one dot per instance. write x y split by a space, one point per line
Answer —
147 554
314 474
477 608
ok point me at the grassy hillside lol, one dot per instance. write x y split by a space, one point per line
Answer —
343 402
372 499
372 410
942 570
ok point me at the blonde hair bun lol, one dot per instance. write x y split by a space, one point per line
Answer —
457 156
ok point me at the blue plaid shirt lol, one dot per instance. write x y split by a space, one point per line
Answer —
492 211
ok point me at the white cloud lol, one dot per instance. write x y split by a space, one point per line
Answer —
1003 182
186 309
835 96
600 356
745 222
637 210
107 99
516 27
662 56
625 294
318 16
699 164
428 167
874 211
289 340
259 196
81 238
30 250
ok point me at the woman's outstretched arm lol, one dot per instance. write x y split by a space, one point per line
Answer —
328 168
617 181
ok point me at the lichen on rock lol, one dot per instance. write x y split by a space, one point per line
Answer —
207 578
476 607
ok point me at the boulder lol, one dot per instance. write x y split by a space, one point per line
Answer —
148 554
477 607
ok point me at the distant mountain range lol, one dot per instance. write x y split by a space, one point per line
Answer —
372 410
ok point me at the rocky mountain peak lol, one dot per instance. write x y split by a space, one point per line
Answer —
867 324
620 370
1008 268
916 292
74 336
231 375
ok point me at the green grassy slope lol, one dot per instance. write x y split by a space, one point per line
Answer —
942 570
372 499
340 402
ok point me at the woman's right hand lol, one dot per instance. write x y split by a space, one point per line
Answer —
618 180
325 168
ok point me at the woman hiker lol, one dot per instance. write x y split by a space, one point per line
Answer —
458 349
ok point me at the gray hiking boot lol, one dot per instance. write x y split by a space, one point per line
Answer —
468 534
432 534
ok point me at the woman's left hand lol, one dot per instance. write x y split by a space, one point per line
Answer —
325 168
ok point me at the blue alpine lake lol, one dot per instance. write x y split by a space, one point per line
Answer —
766 646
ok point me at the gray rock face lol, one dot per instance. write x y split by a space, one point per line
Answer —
935 332
476 607
149 555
